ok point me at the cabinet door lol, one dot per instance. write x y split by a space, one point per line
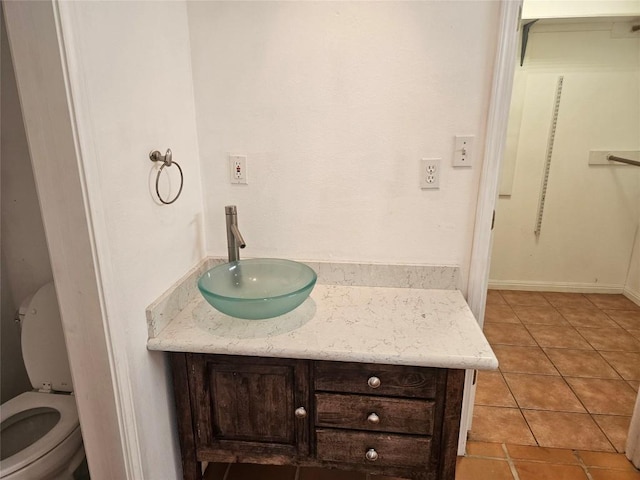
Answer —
246 407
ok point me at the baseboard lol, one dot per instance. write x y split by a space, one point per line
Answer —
632 295
560 287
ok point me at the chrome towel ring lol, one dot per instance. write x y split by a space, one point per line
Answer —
167 161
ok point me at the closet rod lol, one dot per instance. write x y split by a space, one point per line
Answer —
613 158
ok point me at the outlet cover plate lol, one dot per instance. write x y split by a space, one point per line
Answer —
238 169
430 173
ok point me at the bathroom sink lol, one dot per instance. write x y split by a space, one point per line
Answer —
257 288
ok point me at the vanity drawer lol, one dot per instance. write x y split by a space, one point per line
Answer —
371 379
382 414
384 449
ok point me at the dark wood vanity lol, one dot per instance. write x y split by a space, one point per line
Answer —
385 419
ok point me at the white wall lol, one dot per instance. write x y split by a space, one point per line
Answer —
24 256
130 75
579 8
591 212
334 104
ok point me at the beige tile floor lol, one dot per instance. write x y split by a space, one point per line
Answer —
559 406
569 371
495 461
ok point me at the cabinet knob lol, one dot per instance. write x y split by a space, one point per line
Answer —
373 382
373 418
371 455
300 412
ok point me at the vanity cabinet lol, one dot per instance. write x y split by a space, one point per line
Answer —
385 419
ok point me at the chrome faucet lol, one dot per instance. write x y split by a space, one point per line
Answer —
234 238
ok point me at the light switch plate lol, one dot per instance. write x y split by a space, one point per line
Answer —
463 151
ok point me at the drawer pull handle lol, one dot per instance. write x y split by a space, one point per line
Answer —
373 382
371 455
300 412
373 418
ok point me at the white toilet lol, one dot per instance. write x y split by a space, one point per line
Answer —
40 430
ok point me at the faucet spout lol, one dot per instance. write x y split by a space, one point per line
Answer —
238 236
234 238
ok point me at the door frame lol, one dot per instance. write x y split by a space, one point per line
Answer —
497 122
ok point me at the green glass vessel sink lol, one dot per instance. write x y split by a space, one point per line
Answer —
257 288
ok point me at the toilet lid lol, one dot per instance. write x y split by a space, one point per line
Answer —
43 347
27 408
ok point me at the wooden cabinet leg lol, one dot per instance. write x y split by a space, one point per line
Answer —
191 467
451 427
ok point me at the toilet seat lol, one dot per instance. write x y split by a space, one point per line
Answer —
43 345
67 425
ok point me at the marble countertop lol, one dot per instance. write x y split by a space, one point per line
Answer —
391 325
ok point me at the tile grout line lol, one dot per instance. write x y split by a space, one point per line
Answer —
599 351
519 408
530 429
620 377
614 320
483 457
599 309
593 419
586 409
509 388
583 465
512 466
540 346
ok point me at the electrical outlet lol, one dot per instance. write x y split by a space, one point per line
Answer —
463 151
430 173
238 168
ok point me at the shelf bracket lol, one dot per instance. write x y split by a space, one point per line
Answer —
525 39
